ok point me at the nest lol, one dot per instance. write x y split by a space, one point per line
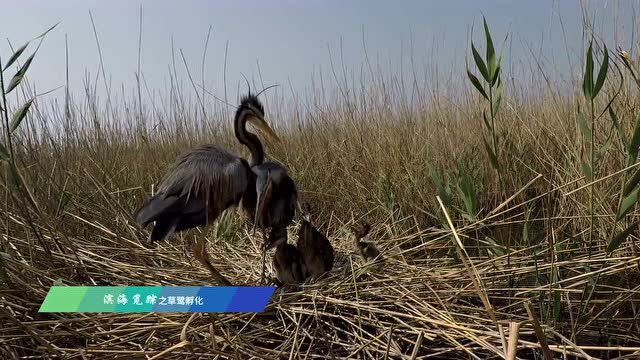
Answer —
412 302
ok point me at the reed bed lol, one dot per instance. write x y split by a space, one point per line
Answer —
406 304
521 246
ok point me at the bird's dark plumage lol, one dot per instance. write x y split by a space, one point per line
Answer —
287 262
367 250
250 100
205 181
276 194
209 179
202 183
314 247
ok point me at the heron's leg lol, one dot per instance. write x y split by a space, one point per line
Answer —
200 253
264 255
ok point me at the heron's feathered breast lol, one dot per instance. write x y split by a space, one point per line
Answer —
281 200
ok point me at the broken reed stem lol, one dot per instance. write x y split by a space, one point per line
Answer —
503 339
416 347
386 353
514 334
161 354
213 337
183 333
572 344
542 339
504 203
468 265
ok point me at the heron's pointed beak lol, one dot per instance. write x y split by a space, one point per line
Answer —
258 211
261 124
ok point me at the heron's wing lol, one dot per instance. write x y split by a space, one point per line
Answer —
284 202
207 169
264 192
298 270
205 179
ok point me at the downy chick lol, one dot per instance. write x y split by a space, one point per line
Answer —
367 249
314 247
287 262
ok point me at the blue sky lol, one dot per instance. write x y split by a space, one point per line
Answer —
290 39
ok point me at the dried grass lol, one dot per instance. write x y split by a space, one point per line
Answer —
408 305
366 154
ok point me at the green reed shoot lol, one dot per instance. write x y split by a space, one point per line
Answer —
491 90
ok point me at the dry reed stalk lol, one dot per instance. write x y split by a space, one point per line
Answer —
383 147
542 339
512 344
473 274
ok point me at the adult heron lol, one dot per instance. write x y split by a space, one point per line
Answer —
208 179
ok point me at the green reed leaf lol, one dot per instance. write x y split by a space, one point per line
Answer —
627 203
584 128
476 83
15 56
602 74
621 237
587 79
492 64
634 145
17 78
19 115
479 63
4 154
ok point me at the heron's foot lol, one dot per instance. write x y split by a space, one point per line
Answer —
281 293
284 288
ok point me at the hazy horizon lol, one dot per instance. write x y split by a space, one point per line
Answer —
289 43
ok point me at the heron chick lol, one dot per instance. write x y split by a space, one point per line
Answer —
367 250
287 262
314 247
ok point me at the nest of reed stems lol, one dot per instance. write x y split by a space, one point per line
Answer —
411 303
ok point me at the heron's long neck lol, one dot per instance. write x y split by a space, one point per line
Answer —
248 139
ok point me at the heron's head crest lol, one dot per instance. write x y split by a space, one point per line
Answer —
251 101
